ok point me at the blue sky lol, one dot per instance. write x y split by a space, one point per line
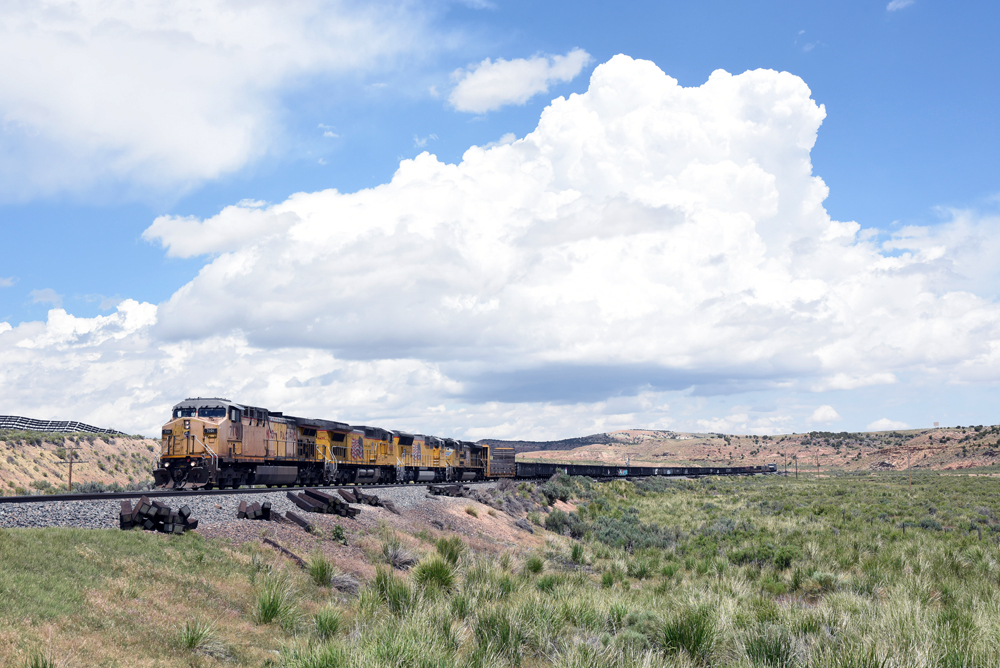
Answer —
107 134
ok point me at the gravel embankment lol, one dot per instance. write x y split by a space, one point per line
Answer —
209 510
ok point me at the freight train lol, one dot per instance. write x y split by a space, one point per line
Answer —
213 442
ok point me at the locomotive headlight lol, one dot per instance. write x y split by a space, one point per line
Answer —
187 424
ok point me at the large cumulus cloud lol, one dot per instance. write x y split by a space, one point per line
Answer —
645 233
645 239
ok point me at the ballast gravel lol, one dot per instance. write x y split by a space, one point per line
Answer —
209 510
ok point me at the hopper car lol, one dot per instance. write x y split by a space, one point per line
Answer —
213 442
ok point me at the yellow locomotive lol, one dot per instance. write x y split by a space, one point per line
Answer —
213 442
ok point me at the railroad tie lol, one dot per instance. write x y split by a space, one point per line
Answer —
155 516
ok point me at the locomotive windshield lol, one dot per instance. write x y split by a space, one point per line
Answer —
184 412
213 412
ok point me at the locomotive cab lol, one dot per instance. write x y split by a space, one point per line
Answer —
189 446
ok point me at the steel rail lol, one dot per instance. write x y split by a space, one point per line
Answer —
167 493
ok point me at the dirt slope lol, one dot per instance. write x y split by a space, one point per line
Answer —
28 460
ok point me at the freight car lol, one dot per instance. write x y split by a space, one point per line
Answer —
544 470
213 442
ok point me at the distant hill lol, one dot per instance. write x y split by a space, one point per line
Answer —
565 444
945 448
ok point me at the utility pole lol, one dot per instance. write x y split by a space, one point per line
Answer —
785 454
909 470
796 456
70 456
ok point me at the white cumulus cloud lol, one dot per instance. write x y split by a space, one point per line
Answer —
824 415
167 94
885 424
645 234
493 84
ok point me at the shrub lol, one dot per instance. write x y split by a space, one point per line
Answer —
337 535
784 557
471 510
752 554
556 521
535 518
576 553
930 524
629 533
559 487
654 484
451 549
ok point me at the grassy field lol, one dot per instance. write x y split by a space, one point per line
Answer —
842 571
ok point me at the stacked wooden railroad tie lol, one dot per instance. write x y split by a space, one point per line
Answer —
448 490
254 511
357 496
315 501
155 516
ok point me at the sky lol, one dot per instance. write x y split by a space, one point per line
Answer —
492 219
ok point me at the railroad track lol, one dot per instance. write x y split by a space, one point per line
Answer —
169 493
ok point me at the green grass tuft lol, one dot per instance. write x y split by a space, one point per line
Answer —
451 549
275 600
197 634
320 570
434 574
691 630
327 623
534 564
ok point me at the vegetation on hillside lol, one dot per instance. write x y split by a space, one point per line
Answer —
945 448
854 570
31 462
